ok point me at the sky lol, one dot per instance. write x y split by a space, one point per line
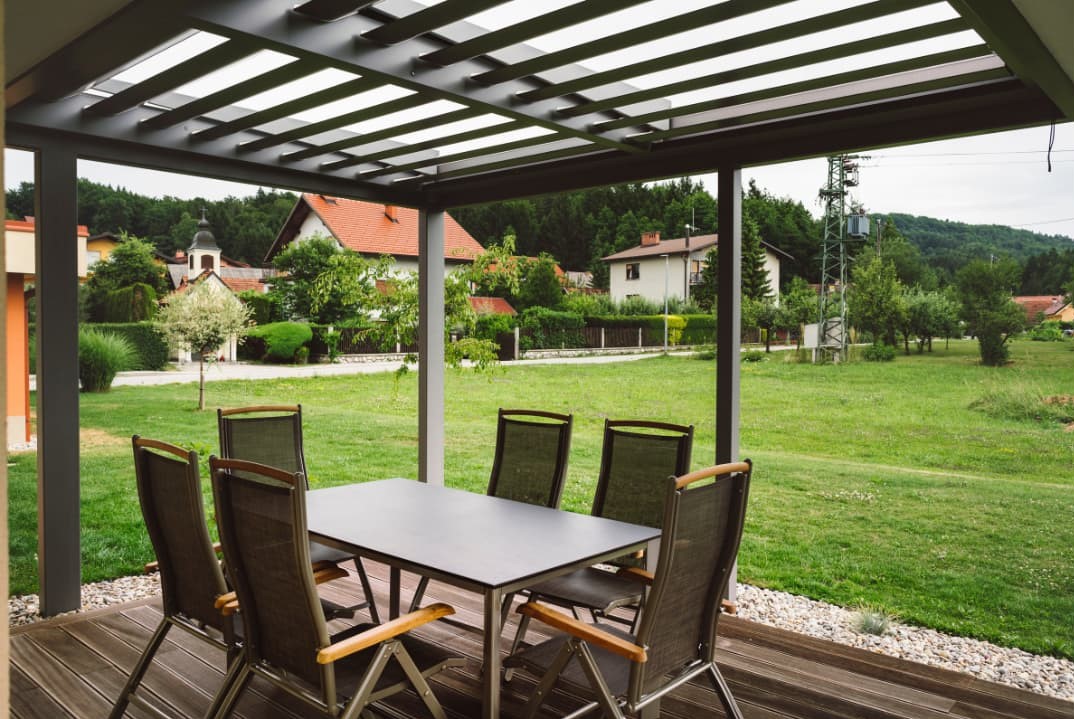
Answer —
1000 178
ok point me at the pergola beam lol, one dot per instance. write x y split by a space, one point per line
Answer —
427 20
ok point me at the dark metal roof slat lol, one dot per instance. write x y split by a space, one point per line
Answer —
173 77
330 10
285 109
332 123
780 33
837 100
422 123
428 19
229 95
553 150
399 149
534 27
802 86
454 157
653 31
836 52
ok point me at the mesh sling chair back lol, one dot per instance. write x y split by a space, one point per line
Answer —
676 637
637 458
529 464
261 512
191 580
272 435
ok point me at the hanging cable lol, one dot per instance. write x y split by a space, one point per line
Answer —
1051 142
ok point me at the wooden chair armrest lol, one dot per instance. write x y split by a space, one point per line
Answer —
728 607
638 575
152 567
218 548
383 632
587 632
224 599
327 574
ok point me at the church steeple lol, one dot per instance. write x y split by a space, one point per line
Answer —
203 253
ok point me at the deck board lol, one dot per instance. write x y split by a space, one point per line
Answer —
75 666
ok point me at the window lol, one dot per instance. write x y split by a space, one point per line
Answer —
92 258
633 270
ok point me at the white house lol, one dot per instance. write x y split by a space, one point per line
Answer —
372 230
655 264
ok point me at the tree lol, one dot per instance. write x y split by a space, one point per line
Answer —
985 289
928 315
755 282
133 262
798 306
704 294
346 290
874 303
201 320
300 264
539 286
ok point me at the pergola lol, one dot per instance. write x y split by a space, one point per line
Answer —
469 101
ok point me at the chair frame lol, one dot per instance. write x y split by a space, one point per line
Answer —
226 416
583 635
684 434
343 645
173 616
559 477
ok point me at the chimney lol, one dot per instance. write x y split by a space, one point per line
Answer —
391 212
648 239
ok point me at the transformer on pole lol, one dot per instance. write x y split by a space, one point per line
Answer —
838 228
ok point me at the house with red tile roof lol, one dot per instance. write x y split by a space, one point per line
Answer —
1045 307
492 306
372 229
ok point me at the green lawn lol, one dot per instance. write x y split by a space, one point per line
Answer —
875 483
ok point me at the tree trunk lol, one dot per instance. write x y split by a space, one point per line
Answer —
201 381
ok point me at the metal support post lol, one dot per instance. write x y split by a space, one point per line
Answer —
431 346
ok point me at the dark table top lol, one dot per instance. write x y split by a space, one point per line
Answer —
471 538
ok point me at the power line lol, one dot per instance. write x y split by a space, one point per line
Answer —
1044 222
971 154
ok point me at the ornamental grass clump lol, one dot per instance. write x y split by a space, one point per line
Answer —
100 356
873 620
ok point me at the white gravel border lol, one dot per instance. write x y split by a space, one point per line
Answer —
1014 667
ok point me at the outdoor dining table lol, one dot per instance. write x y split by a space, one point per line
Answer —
479 543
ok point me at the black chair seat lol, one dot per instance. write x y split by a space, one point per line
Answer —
589 587
430 657
614 668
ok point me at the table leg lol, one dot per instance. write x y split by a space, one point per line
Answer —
490 677
394 580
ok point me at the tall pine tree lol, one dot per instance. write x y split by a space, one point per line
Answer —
755 281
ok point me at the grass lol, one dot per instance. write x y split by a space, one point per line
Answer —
875 484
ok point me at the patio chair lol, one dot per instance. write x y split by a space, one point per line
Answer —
191 580
637 458
676 637
272 435
529 464
261 512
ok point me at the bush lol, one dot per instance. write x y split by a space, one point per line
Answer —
100 356
279 341
150 347
1020 402
635 306
489 327
550 329
878 352
753 356
699 330
587 305
1050 331
134 303
264 307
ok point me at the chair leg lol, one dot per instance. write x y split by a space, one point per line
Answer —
596 681
419 593
365 687
367 590
548 681
235 666
223 705
140 668
523 625
723 691
420 684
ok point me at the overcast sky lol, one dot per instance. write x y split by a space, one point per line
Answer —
1000 178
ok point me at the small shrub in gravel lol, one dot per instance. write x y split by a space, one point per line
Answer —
871 620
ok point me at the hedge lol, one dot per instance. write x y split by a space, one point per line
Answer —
682 329
549 329
264 308
149 346
134 303
278 341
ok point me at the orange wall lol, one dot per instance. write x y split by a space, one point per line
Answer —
17 371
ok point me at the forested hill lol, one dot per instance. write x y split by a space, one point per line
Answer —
948 245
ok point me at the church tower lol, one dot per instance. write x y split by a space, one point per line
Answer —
203 253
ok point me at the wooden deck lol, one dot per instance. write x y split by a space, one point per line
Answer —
75 666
